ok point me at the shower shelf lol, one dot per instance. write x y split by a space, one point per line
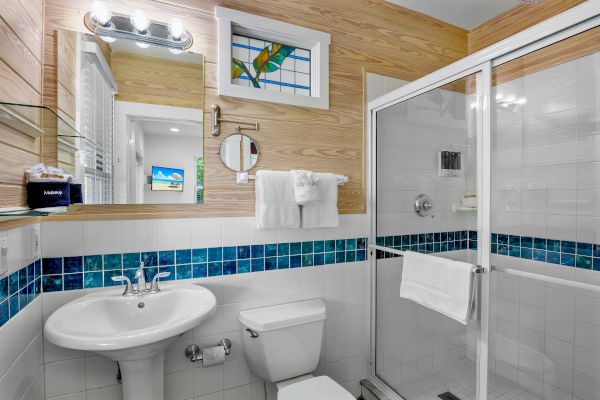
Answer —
456 208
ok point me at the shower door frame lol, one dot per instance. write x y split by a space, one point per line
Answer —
567 24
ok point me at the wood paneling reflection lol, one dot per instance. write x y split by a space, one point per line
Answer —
21 56
157 81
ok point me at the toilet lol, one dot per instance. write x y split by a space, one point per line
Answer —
282 345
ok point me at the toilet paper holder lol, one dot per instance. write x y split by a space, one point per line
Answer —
194 353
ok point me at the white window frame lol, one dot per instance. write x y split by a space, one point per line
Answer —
238 22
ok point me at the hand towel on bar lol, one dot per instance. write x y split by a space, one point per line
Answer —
438 283
275 202
305 187
324 214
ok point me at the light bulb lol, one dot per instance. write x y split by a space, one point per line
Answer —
142 45
108 39
175 51
100 14
176 28
140 21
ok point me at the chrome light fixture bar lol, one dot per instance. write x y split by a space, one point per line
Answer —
137 27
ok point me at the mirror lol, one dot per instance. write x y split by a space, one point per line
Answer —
139 113
239 152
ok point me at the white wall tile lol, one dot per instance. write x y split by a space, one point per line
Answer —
206 232
100 371
236 373
139 235
65 377
61 239
106 393
179 385
102 237
174 234
236 230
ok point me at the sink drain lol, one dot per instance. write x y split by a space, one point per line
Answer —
141 304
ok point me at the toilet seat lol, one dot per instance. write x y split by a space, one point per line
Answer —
319 388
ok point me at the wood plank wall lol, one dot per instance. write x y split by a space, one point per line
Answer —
21 57
156 81
515 20
367 35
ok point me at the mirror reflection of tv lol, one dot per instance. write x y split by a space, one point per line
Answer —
167 179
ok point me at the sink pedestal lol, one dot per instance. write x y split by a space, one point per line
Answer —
135 330
143 379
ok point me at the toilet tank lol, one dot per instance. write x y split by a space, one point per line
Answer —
284 341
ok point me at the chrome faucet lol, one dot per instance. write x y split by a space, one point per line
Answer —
141 287
141 280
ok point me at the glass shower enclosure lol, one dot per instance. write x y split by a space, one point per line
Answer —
494 160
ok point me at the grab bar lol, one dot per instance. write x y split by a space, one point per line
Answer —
548 279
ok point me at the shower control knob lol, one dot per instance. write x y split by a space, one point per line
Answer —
423 205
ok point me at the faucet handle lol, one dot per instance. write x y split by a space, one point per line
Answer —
123 278
154 286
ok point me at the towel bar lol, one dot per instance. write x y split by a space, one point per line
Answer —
244 177
477 269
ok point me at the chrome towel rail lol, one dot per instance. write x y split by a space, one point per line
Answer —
515 272
477 269
244 177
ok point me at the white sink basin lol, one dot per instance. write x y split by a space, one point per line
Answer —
133 330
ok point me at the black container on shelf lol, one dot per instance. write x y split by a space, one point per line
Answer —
48 194
76 193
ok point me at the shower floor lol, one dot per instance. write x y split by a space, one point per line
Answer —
459 379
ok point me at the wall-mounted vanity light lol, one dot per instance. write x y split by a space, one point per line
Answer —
137 27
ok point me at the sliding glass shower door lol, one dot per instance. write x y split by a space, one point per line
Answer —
546 219
426 152
498 166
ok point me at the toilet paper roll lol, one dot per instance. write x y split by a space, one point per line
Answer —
213 356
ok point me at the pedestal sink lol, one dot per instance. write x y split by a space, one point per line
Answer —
133 330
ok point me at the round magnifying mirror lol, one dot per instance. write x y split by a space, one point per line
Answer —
239 152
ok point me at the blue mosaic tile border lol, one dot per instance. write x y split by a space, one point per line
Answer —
19 289
93 271
436 242
553 251
560 252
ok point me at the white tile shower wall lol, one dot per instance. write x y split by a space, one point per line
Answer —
21 355
546 154
546 183
409 137
344 288
545 336
413 341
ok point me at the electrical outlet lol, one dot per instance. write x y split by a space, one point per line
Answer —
3 254
35 243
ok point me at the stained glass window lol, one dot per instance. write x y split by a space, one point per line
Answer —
271 66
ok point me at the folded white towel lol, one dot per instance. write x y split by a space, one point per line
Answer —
275 202
305 187
438 283
324 214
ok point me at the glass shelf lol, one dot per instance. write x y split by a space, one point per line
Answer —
36 120
7 214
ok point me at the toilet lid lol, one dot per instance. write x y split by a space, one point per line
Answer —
319 388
